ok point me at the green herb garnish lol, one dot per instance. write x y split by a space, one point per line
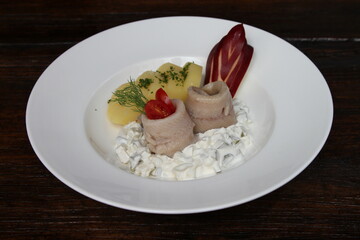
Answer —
185 70
172 74
130 96
145 82
164 77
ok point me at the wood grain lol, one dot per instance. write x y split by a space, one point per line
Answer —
323 202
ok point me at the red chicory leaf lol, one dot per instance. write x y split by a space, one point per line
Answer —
229 59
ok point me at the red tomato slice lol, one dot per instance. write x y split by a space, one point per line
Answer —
156 109
162 96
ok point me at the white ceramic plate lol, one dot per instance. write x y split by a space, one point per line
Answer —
289 100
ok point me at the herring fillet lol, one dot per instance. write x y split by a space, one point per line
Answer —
210 106
171 134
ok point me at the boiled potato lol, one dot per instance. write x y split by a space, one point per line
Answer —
152 78
194 76
118 114
177 86
174 87
168 76
167 67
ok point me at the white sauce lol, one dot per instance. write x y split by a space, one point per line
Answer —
214 151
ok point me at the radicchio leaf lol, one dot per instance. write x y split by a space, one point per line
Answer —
229 59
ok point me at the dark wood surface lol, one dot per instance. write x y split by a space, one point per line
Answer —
323 202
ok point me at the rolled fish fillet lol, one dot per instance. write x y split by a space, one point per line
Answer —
171 134
210 106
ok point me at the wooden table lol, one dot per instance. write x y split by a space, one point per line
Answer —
323 202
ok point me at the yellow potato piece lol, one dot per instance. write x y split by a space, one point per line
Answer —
149 92
118 114
194 76
168 76
174 87
177 86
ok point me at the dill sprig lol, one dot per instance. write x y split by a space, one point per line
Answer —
130 96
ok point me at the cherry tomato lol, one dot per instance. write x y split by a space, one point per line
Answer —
156 109
162 96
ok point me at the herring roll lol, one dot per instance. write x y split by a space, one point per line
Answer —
210 106
171 134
